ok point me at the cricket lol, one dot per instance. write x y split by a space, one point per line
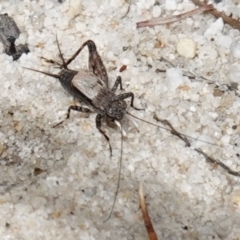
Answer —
91 86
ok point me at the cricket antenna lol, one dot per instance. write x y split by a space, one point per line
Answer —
183 137
119 172
64 65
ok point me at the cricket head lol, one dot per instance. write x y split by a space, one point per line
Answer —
116 110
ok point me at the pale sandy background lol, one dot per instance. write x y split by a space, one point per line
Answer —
187 198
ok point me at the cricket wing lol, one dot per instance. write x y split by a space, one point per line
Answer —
88 83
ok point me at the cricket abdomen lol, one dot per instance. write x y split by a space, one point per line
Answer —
67 78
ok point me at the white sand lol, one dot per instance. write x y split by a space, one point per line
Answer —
187 198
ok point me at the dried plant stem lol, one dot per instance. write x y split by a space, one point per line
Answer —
173 131
159 21
147 221
229 20
217 162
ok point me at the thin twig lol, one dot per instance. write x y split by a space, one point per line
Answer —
193 75
177 18
229 20
173 130
147 221
190 75
215 161
128 9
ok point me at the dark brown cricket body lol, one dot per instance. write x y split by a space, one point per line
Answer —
87 87
91 87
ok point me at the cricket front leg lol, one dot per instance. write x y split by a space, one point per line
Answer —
74 108
116 84
127 95
98 125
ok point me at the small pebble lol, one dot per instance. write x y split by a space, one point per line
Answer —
130 167
185 187
192 109
236 197
170 5
234 74
156 11
214 28
235 49
74 8
223 227
225 140
187 48
174 78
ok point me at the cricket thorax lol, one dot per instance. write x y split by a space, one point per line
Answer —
106 102
116 110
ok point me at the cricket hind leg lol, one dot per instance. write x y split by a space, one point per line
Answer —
98 125
74 108
95 63
127 95
91 48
